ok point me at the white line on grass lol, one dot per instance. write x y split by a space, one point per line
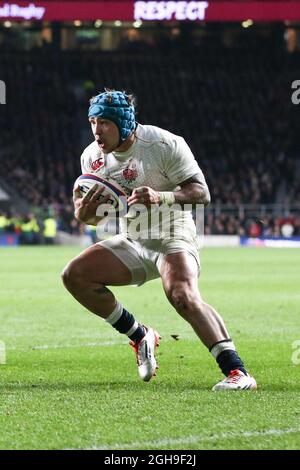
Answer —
67 346
85 345
74 346
196 439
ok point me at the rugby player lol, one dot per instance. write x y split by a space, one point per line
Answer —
157 168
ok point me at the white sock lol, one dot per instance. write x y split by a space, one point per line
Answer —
221 346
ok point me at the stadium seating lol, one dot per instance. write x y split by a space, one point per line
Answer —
232 105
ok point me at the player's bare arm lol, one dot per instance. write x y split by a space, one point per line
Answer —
192 191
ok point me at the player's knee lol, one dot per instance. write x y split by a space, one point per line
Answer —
72 274
180 296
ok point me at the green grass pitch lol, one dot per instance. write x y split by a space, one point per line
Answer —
71 381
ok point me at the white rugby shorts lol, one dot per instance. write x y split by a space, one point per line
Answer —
144 260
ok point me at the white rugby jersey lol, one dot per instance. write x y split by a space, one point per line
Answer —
157 159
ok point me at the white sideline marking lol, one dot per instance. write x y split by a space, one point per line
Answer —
85 345
74 346
67 346
196 439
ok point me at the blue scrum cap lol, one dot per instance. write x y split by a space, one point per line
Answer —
115 106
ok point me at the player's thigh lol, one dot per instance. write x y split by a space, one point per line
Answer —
180 268
100 265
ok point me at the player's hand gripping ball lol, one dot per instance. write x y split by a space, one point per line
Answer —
99 191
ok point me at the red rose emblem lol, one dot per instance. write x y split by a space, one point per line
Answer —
129 174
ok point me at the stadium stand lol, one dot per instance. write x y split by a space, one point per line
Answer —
232 105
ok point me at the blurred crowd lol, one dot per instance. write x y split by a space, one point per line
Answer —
267 226
231 104
30 230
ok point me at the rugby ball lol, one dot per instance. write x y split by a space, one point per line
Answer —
117 196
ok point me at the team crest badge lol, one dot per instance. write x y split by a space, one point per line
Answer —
130 174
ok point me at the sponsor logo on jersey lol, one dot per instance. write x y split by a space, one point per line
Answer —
97 164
